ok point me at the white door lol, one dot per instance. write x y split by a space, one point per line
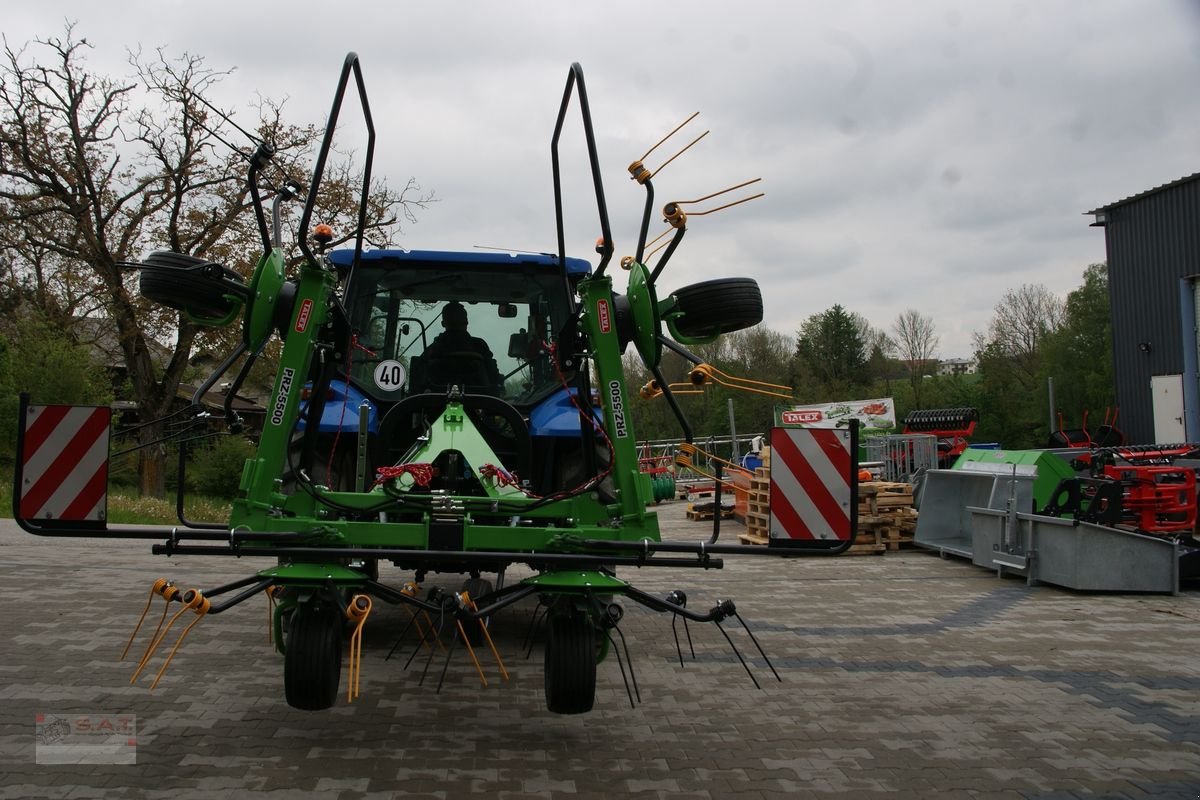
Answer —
1167 391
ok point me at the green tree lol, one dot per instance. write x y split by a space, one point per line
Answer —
38 356
1078 356
830 348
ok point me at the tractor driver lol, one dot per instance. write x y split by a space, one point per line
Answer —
455 351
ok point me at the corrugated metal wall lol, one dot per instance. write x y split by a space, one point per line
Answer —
1153 241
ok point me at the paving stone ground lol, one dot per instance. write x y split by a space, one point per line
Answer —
907 674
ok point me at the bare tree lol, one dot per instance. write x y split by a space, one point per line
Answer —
1023 319
916 344
877 346
97 171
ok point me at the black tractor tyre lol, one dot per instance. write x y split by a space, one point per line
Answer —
711 308
187 283
312 663
570 666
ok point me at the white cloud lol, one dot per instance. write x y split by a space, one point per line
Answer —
927 156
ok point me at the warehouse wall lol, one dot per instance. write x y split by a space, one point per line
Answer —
1153 241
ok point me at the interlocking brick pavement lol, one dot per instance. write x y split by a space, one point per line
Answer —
906 674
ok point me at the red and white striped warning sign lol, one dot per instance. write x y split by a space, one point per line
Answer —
813 480
64 463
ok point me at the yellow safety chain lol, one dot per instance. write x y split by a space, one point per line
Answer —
357 612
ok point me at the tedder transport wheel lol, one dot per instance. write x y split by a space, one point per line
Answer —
570 668
312 664
188 283
711 308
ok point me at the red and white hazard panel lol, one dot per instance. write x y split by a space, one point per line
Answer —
814 483
63 464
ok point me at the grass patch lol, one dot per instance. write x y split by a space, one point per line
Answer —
125 507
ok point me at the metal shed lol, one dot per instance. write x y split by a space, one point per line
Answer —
1153 245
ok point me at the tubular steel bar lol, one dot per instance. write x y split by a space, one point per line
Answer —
439 556
574 77
351 64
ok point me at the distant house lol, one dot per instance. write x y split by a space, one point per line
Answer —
957 366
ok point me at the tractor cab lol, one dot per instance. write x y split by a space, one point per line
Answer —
478 329
403 307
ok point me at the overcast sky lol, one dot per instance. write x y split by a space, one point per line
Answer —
925 155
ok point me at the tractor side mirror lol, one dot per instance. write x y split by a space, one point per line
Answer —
518 344
507 310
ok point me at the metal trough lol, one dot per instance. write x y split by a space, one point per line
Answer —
1075 555
944 523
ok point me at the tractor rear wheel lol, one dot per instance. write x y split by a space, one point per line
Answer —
570 667
711 308
312 663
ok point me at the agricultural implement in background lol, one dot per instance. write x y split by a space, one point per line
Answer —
951 426
1107 435
374 451
1137 487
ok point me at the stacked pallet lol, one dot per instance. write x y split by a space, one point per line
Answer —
758 508
886 517
705 510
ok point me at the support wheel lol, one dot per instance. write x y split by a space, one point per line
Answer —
194 285
715 307
570 668
312 665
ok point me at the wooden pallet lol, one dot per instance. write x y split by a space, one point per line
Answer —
885 511
697 515
751 537
868 543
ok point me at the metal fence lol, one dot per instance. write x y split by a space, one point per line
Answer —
902 456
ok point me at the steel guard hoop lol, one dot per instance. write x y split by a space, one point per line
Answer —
351 64
575 76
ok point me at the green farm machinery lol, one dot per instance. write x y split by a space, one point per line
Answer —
382 446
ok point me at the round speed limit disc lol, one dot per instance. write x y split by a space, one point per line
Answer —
390 375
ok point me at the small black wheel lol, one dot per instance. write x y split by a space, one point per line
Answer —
476 588
190 284
570 666
312 663
711 308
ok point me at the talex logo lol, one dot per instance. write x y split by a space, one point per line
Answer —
285 388
604 317
618 409
801 417
302 317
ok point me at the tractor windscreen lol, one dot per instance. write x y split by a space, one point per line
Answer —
423 327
